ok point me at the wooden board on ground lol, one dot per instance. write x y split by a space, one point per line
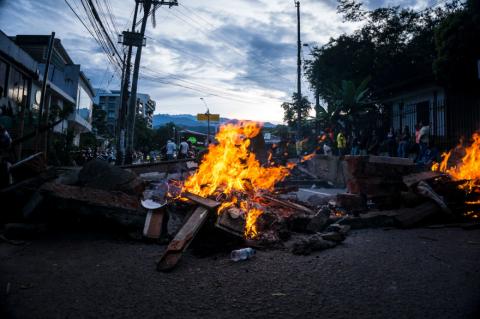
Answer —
182 240
206 202
153 223
413 179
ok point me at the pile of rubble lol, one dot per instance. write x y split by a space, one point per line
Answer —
380 192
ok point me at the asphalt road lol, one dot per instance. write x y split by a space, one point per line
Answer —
421 273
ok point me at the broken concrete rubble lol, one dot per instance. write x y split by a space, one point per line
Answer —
112 205
101 175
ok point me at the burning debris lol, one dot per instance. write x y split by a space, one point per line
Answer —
462 165
231 194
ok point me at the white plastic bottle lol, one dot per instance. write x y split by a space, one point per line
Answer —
242 254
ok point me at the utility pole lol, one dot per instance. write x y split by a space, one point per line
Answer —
208 120
122 112
132 103
299 73
41 143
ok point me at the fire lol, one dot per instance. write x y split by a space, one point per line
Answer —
468 169
231 170
250 222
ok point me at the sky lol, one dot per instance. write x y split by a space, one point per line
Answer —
238 55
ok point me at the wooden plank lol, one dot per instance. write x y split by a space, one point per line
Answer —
413 179
182 240
289 204
153 223
206 202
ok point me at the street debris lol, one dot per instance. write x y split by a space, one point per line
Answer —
253 205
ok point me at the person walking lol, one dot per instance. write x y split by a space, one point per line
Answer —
171 148
183 152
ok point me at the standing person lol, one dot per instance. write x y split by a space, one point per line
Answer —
341 143
373 144
417 141
183 152
391 143
171 148
424 139
403 144
355 144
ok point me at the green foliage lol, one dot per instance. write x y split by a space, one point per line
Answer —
143 135
99 121
88 140
458 47
395 45
290 110
281 131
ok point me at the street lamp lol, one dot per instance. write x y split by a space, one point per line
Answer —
208 120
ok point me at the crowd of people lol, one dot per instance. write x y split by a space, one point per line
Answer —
401 143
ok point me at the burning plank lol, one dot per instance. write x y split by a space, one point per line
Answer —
206 202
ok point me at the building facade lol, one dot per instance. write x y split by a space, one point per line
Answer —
67 85
110 102
450 116
146 107
19 73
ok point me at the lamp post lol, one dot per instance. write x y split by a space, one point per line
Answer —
208 120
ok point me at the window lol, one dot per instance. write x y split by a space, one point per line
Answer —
17 86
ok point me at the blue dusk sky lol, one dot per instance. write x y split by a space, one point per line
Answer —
239 55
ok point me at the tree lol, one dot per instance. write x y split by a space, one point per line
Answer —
290 109
163 134
99 121
394 45
458 48
143 136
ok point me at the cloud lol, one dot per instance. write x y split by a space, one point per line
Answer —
240 55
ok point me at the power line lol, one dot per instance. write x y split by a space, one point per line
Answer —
203 92
214 90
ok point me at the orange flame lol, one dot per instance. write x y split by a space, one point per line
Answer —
250 222
468 169
229 168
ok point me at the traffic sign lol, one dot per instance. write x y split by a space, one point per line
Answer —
205 116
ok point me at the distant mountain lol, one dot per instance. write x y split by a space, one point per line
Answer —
189 121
